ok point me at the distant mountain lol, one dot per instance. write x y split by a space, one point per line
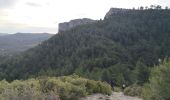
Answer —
15 43
2 34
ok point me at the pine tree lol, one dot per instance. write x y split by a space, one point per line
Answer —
142 73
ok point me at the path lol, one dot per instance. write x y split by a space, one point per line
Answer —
114 96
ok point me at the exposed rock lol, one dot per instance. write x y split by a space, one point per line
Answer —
73 23
113 11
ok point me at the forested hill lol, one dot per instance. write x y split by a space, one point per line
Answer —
19 42
119 48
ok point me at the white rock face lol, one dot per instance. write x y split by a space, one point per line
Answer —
73 23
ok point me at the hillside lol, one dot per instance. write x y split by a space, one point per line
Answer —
15 43
119 49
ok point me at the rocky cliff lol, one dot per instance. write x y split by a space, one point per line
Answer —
76 22
73 23
113 11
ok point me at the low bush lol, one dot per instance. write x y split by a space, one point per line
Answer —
158 87
133 90
117 89
98 87
52 88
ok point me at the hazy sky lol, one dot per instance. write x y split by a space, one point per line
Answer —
44 15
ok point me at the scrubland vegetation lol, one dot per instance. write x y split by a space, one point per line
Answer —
52 88
157 88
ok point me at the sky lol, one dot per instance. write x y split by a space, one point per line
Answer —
37 16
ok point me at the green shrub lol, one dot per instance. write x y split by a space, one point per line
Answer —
146 92
133 90
98 87
50 88
159 83
117 89
104 88
91 86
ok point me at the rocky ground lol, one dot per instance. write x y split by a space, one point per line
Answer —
114 96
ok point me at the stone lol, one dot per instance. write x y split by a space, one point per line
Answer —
74 23
114 11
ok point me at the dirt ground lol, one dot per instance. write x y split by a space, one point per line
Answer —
114 96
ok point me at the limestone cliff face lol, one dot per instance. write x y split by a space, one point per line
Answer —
76 22
73 23
113 11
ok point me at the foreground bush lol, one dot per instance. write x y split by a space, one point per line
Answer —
133 90
158 87
52 88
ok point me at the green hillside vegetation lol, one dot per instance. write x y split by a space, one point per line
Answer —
52 88
121 49
159 83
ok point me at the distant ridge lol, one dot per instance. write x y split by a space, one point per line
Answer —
2 34
15 43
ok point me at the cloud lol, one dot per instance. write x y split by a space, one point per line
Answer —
7 3
33 4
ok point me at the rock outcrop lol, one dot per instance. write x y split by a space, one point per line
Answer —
76 22
73 23
113 11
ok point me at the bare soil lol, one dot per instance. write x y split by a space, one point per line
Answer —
114 96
